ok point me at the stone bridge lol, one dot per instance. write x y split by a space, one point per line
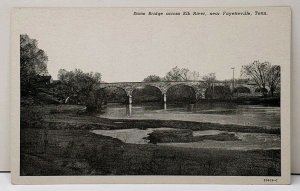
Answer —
199 87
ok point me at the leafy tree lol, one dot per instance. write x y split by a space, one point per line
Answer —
181 74
33 63
82 86
152 78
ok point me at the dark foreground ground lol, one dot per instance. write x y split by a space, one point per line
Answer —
56 140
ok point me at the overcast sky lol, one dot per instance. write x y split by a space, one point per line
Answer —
124 47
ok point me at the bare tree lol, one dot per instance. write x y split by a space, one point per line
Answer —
194 76
210 78
273 78
181 74
258 72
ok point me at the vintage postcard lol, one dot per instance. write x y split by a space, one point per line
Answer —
151 95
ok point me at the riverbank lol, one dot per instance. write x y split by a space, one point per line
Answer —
56 140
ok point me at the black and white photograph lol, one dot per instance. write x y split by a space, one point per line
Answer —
151 92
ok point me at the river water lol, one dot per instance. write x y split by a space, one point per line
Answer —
223 113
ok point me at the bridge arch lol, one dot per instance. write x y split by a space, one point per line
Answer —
175 90
261 90
217 92
146 93
199 89
242 90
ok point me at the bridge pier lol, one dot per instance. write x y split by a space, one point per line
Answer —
165 97
129 110
130 99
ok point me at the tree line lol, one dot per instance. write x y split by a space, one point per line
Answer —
82 85
181 74
76 84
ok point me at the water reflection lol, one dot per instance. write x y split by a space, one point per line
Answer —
129 110
190 107
224 113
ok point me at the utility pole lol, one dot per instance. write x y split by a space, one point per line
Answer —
233 78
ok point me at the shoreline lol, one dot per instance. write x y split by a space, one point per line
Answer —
72 117
120 123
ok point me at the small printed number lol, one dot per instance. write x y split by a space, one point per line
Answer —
270 180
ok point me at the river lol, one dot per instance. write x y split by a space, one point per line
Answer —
223 113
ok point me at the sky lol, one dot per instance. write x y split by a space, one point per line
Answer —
124 47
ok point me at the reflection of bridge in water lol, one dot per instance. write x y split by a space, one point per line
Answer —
129 108
199 87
